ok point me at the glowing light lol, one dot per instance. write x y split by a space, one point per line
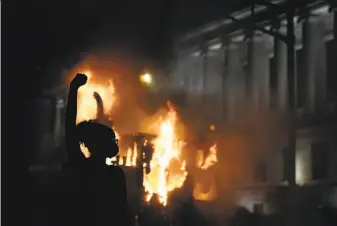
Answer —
146 78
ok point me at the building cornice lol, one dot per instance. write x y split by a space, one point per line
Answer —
233 29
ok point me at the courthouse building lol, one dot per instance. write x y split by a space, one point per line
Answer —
218 70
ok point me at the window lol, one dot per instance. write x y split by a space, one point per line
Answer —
301 81
260 173
258 208
319 159
331 70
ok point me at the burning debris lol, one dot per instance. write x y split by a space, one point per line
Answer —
129 160
205 186
167 168
210 160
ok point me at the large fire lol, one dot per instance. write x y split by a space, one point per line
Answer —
167 169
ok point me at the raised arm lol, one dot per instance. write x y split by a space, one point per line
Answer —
70 119
71 111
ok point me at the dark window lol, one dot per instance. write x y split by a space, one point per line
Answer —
273 81
260 173
301 80
258 208
319 158
331 70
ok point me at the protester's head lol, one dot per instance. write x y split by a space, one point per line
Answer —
99 139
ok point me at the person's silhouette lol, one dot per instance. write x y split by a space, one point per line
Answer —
103 188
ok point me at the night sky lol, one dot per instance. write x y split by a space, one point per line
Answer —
35 33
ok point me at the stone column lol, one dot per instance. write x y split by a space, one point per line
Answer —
176 73
264 69
235 80
223 69
335 25
213 83
280 53
58 123
195 72
315 63
259 72
43 111
194 77
180 79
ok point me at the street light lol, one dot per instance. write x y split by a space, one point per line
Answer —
146 78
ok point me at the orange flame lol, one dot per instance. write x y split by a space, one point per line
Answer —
87 106
167 170
210 194
131 156
204 164
211 159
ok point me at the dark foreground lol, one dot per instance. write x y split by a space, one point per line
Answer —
49 191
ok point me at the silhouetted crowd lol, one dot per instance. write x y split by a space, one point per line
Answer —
97 193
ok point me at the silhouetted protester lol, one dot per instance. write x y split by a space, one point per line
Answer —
242 217
101 195
153 213
190 215
327 215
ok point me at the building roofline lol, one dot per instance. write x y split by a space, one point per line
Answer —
231 28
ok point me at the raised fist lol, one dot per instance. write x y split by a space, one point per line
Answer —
79 80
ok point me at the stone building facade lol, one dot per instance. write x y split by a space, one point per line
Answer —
220 72
49 112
